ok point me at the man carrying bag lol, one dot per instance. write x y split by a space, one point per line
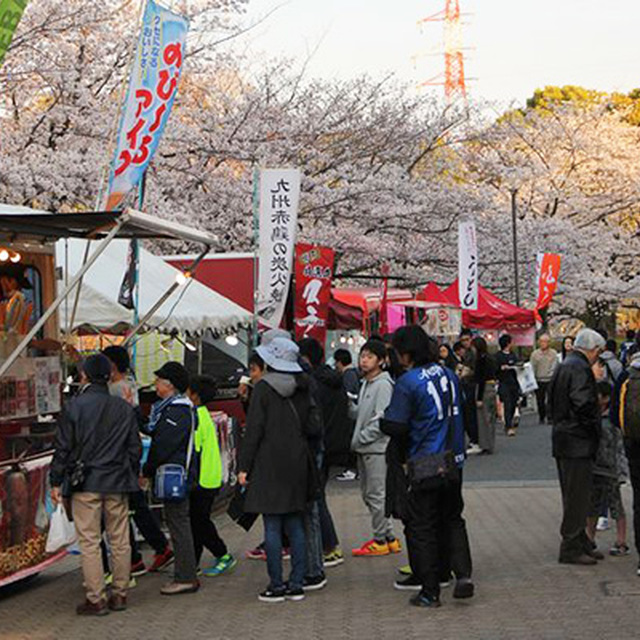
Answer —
425 407
96 461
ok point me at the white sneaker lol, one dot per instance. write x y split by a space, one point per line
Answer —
473 449
603 524
347 476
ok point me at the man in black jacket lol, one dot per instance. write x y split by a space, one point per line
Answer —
99 433
573 404
172 424
331 397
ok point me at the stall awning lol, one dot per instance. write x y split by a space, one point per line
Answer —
432 293
23 224
368 299
192 308
493 312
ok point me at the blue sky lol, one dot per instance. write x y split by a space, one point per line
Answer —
515 47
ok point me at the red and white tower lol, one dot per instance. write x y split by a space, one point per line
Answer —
453 78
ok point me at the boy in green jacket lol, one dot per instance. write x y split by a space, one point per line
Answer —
202 390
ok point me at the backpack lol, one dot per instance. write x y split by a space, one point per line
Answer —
630 406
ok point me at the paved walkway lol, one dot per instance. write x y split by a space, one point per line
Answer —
522 592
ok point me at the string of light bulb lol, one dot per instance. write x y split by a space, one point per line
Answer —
9 256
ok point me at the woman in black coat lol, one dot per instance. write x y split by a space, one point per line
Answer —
274 463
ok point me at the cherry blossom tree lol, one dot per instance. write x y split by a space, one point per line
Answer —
387 174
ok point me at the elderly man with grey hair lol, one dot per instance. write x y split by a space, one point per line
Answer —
543 361
573 404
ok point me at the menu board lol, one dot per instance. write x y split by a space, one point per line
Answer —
30 387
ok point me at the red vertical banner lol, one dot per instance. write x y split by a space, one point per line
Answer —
548 274
313 273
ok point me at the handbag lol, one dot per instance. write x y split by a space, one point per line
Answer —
435 467
236 511
171 483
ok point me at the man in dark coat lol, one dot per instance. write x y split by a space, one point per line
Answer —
573 404
100 433
172 425
331 397
276 466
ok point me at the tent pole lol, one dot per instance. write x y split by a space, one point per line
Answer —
163 299
200 346
15 354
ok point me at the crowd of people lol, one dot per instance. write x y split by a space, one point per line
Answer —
402 420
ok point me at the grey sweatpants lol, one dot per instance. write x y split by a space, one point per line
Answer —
372 468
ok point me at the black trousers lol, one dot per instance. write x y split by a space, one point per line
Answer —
205 534
470 410
436 534
541 399
147 523
509 395
576 480
632 449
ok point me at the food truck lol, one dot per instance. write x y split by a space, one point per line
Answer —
32 358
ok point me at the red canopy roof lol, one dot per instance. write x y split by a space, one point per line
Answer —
492 312
368 299
431 293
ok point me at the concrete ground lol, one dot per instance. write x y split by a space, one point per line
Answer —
513 513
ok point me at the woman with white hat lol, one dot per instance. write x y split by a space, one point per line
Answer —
274 463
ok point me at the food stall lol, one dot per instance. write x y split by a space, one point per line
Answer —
31 358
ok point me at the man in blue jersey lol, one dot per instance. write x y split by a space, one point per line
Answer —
425 416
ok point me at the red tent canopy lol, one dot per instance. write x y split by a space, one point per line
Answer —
492 312
368 299
431 293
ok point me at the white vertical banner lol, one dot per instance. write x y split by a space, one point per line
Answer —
467 266
279 197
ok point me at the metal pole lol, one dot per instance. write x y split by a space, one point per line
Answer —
515 243
200 354
256 236
163 299
15 354
136 273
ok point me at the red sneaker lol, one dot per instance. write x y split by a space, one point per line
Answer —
256 554
138 569
371 548
162 560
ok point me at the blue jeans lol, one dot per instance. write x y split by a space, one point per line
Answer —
313 533
294 526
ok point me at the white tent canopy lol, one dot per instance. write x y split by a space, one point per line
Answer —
192 308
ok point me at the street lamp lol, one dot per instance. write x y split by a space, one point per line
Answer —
514 192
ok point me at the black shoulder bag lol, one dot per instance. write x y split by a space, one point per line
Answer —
432 468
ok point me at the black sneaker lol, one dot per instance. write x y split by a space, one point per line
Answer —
294 594
464 588
423 600
410 583
316 583
270 595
